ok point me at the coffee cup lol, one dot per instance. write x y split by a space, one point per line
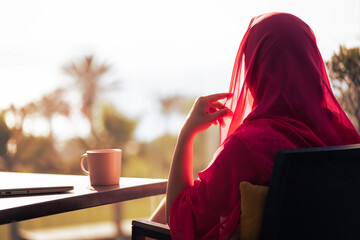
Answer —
104 166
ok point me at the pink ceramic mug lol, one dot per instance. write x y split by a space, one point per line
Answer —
104 166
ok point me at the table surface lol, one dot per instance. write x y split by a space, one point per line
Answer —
18 208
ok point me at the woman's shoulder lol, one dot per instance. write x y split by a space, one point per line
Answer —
240 141
262 134
249 131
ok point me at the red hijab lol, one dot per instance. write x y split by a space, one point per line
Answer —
279 74
281 99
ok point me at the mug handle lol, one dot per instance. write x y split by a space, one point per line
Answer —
86 172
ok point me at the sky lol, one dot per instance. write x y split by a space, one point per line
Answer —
155 48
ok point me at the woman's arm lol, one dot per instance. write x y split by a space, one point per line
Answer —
206 111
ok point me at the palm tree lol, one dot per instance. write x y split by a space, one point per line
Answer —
88 76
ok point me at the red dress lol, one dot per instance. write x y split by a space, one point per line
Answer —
281 99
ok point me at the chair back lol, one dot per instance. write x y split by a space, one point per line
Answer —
314 193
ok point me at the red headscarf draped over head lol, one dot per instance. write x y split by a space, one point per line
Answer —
279 73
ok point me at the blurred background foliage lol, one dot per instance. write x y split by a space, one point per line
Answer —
344 71
27 152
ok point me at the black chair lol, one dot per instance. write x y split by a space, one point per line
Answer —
144 228
314 193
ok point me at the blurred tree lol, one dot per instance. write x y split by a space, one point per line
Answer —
153 158
119 130
37 154
88 79
18 116
25 153
178 104
344 71
156 155
52 104
5 135
71 150
175 104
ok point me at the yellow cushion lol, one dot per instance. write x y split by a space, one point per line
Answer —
252 207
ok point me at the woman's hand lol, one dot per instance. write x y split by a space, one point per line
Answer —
207 110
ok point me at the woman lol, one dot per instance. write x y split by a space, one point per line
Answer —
280 98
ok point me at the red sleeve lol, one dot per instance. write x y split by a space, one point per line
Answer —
215 195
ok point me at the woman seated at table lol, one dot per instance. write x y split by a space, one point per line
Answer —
280 98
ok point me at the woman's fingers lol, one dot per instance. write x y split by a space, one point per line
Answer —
216 109
221 113
217 105
212 101
217 96
206 110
